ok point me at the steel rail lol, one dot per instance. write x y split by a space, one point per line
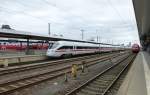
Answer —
45 64
40 79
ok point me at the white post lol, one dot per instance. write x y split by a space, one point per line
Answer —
5 63
49 29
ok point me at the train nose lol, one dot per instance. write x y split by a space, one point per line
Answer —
50 52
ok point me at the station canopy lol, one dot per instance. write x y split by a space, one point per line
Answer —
11 33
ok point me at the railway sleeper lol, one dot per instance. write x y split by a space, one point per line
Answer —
21 83
14 86
87 92
111 92
98 89
100 82
80 93
114 72
106 77
2 89
98 85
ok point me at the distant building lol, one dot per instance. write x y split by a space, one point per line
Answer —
6 27
122 45
129 45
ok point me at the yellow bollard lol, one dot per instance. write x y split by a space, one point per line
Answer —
74 70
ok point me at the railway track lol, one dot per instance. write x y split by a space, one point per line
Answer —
114 88
102 83
48 64
14 85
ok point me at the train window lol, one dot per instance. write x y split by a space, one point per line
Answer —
69 47
53 46
66 47
50 45
91 47
79 47
86 47
63 47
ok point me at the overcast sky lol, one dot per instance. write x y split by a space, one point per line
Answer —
113 20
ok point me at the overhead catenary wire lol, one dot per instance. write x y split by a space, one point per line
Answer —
54 5
11 11
116 10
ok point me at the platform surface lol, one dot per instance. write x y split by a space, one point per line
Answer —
137 82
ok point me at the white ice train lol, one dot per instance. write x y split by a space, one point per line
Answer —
64 48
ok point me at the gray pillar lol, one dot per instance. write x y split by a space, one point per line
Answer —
20 45
28 47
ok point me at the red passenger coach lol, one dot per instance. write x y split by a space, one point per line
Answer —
135 48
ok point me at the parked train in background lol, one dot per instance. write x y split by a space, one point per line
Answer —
63 48
22 45
135 48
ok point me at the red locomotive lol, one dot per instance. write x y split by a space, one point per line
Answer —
135 48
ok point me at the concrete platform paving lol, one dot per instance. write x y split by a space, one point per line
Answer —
137 82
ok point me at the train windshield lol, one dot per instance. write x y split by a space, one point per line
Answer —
53 46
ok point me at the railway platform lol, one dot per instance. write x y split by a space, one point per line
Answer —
137 82
9 60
